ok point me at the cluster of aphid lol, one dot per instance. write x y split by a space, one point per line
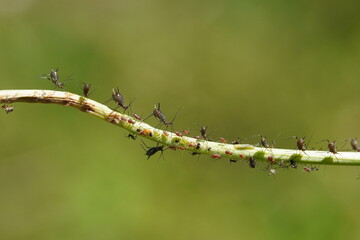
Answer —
118 98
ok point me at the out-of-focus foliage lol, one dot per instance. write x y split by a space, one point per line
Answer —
276 68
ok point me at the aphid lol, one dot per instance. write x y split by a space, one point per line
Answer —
203 132
197 137
86 89
252 162
7 108
228 152
133 137
122 118
331 146
300 143
159 115
223 140
54 78
310 169
217 156
137 116
181 148
264 142
237 141
178 134
165 133
354 145
186 132
293 164
271 159
131 121
242 156
152 150
119 99
172 147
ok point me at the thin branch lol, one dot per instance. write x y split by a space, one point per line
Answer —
214 149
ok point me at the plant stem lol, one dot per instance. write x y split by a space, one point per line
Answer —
215 149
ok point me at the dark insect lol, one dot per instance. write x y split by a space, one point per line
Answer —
252 162
159 115
54 78
203 132
119 99
233 160
152 150
237 141
300 143
293 164
264 142
331 146
195 153
86 89
7 108
198 146
133 137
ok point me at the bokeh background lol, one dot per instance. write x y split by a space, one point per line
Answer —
276 68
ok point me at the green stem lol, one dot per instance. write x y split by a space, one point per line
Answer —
214 149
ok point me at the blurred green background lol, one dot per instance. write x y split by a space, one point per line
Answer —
276 68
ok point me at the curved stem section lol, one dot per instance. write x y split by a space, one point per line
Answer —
215 149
